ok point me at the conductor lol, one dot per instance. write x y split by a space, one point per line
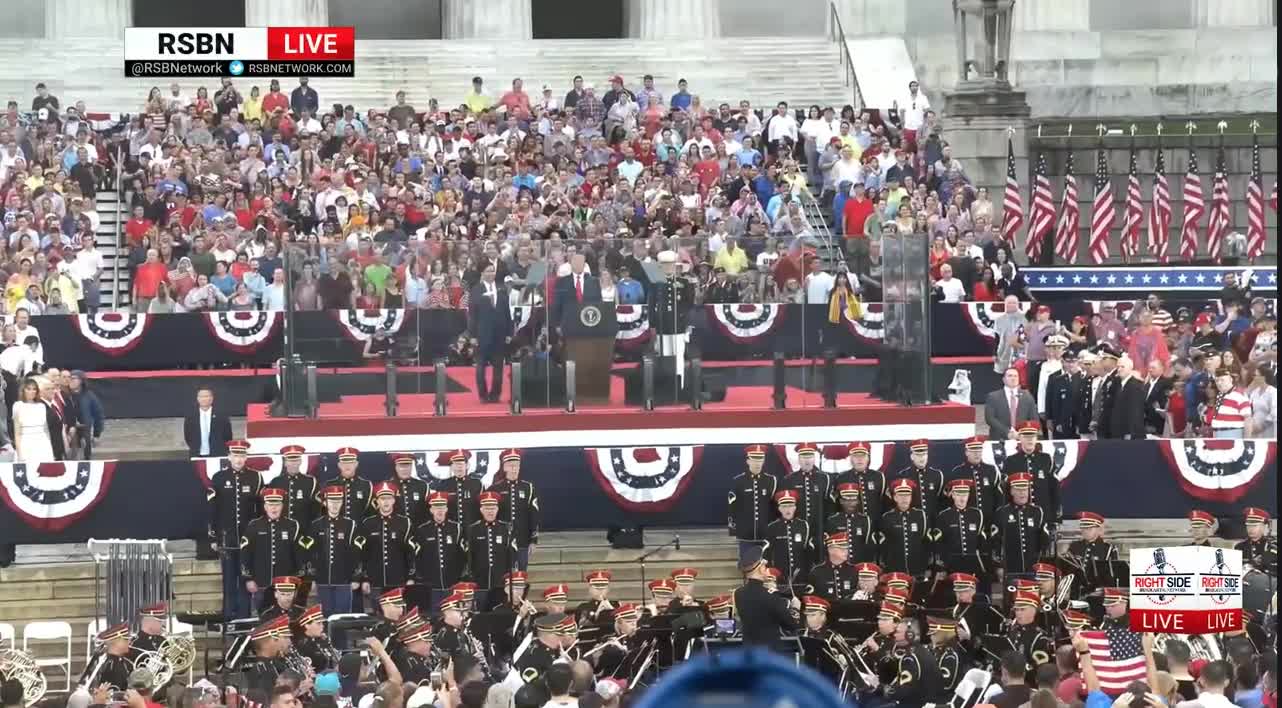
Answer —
763 615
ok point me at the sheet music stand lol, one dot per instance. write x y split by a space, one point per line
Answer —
1108 574
660 630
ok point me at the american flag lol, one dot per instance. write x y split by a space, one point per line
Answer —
1133 216
1255 231
1194 207
1117 657
1042 211
1103 210
1159 214
1069 215
1012 204
1221 217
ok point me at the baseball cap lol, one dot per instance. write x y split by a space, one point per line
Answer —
326 684
140 679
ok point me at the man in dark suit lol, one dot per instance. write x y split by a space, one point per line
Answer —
1125 414
1157 391
206 431
1007 406
577 288
490 322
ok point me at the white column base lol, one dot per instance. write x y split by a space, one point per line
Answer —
488 19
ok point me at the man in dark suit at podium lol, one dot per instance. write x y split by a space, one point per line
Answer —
578 288
489 320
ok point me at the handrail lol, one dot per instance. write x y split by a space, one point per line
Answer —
115 262
838 34
820 229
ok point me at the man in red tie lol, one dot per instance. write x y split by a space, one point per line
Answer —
577 288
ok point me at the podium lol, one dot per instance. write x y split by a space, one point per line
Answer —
588 330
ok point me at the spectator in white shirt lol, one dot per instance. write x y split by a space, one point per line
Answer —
818 284
949 287
782 125
274 293
912 110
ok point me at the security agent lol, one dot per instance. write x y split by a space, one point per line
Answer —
763 617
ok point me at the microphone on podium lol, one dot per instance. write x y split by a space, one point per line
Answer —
676 541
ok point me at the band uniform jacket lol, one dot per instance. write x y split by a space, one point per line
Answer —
275 610
442 553
464 499
1261 554
320 651
490 553
519 507
411 499
271 548
960 533
143 641
859 529
751 506
918 681
1065 394
872 490
673 300
834 582
336 551
233 503
1019 537
610 659
1045 489
261 674
389 550
930 484
115 671
824 662
988 492
535 661
1100 550
949 659
300 496
902 536
763 617
1033 643
813 493
789 548
358 496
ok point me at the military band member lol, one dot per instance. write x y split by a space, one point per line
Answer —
491 552
1201 524
771 580
284 590
880 645
519 507
568 630
948 654
683 584
986 483
300 488
1067 399
851 521
233 502
1074 621
1028 459
834 579
271 547
812 491
867 577
815 612
788 546
391 608
661 591
515 616
464 491
1046 575
312 641
961 530
897 588
555 598
453 638
928 482
467 589
411 492
871 482
112 661
442 553
1026 635
1019 534
334 562
1092 546
626 623
1259 549
270 641
597 608
917 680
543 651
415 660
902 533
750 500
389 545
152 623
1116 609
358 492
970 604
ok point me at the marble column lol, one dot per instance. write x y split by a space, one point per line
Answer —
872 17
488 19
1053 15
1235 13
103 19
669 19
286 13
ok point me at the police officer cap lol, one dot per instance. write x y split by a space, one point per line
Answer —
752 556
549 622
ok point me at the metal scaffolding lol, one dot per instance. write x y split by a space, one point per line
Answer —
129 574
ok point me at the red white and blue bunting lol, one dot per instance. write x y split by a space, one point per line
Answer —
434 465
268 467
362 325
871 324
645 479
113 333
834 457
53 495
1064 454
747 323
983 315
1219 470
243 331
634 327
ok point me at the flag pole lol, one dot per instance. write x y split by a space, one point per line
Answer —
1191 127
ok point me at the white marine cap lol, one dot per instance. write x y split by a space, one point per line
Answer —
667 257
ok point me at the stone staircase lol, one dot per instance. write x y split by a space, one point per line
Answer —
764 70
114 283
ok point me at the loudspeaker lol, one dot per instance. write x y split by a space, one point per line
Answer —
666 392
625 537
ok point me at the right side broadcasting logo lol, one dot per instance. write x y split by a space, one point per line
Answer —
1161 582
1219 583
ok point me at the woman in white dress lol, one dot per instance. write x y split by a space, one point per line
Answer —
31 425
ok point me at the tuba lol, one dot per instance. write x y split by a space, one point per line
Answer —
21 667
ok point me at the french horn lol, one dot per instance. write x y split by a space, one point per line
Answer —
158 664
180 651
21 667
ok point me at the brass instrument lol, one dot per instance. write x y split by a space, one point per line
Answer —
295 661
21 666
180 651
158 664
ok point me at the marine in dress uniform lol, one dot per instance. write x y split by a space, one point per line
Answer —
670 303
850 520
464 491
312 642
788 545
519 506
1031 460
1067 396
284 589
490 551
1092 546
1201 524
1019 534
411 492
835 578
544 650
1259 549
903 531
358 492
928 481
233 502
1026 635
986 491
272 546
813 491
442 553
961 531
750 508
871 482
948 654
389 548
335 560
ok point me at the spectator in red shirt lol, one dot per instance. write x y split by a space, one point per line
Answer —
274 99
138 226
147 280
854 215
708 170
516 101
182 212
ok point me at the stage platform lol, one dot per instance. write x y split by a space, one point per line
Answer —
746 415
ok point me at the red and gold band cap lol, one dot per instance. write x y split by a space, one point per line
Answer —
1045 571
384 489
115 631
868 570
786 497
517 578
348 454
720 603
903 485
941 625
858 448
440 499
684 576
454 601
238 446
1029 428
395 596
962 486
814 604
466 588
662 586
459 455
964 581
489 499
975 442
157 611
1115 596
286 583
311 615
1201 518
627 611
556 593
598 578
1020 480
919 445
510 455
292 452
897 580
1026 598
840 539
272 495
848 490
755 452
333 491
806 448
1089 519
1255 515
